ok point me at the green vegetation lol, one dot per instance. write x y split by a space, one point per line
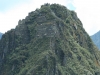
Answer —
49 41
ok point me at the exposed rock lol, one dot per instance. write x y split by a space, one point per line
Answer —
49 41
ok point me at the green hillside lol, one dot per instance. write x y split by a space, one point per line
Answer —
49 41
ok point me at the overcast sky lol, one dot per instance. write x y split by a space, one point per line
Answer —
12 10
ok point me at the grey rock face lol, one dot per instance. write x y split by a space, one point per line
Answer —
49 41
47 30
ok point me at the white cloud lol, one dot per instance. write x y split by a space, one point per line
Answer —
88 11
9 19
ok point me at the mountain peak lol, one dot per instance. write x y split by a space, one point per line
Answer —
49 41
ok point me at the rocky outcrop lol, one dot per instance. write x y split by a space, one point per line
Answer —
49 41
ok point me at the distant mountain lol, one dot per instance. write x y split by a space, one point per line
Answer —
49 41
96 39
1 35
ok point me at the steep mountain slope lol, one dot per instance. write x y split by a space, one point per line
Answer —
96 39
49 41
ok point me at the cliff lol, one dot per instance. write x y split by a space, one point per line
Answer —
49 41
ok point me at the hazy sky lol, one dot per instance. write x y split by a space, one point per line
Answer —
12 10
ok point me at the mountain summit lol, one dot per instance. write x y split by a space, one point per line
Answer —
49 41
